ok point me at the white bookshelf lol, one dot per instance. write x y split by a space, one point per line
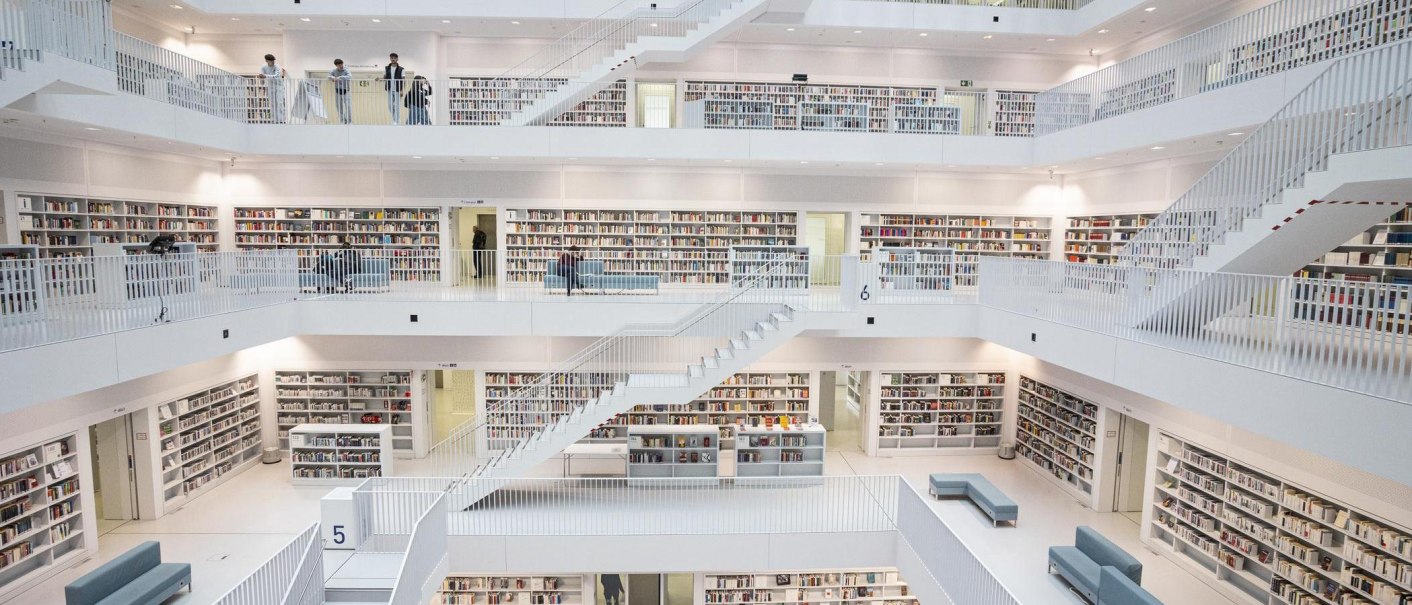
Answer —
1056 111
681 247
969 235
505 589
339 454
486 101
1057 433
1264 539
915 268
42 511
681 451
394 398
833 116
408 237
925 413
204 438
514 412
1014 113
745 400
793 451
809 106
735 114
853 391
926 119
788 267
21 287
71 226
1382 253
1097 239
884 586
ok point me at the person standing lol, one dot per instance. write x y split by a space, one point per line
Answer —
394 82
341 79
273 75
478 241
417 98
612 588
569 269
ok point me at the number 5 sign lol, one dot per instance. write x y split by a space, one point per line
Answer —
339 520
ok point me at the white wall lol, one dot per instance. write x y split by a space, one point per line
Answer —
1147 187
316 49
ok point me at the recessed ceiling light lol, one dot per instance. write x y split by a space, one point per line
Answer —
235 18
950 165
987 37
878 164
1102 31
304 19
651 159
1150 9
1100 158
652 24
857 31
495 157
91 128
1235 134
1158 148
923 34
177 6
572 159
1050 40
728 161
803 162
445 20
789 29
377 20
416 157
514 23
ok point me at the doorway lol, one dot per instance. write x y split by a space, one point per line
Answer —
114 480
470 268
839 411
825 233
656 104
453 401
973 109
1130 472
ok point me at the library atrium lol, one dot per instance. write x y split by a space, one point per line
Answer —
706 302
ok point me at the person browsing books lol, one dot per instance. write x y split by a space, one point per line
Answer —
569 269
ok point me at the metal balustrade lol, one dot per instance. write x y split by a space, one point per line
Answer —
294 576
148 70
1362 102
1348 335
1045 4
80 30
951 564
1272 39
426 550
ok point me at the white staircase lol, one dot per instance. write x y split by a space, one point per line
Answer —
612 46
67 38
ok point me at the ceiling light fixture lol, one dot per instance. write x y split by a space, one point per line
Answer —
1158 148
803 161
857 31
514 23
1150 9
304 19
495 157
1235 134
377 20
1102 31
1100 158
416 157
789 29
878 164
91 128
728 161
652 24
445 20
1050 40
235 18
177 6
987 37
651 159
923 34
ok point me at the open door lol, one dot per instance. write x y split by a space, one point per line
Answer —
1130 471
114 479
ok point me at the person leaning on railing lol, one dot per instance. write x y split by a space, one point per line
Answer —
394 81
274 76
417 98
341 78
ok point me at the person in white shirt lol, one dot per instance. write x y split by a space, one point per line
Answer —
274 76
341 79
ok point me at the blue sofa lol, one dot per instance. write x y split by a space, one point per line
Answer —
371 274
594 276
1082 564
980 491
136 577
1114 588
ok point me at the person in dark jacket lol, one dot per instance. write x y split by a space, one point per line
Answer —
418 96
393 79
478 242
612 588
569 269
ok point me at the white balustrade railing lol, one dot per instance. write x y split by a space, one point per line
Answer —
388 508
1348 335
1048 4
294 576
1362 102
426 550
80 30
947 558
1278 37
160 74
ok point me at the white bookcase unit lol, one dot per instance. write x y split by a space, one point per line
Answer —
1057 433
464 589
1266 540
339 454
21 287
735 114
745 400
804 106
833 116
1097 239
925 413
681 247
1383 253
1056 111
394 398
689 450
409 237
788 267
482 101
926 119
925 269
43 511
70 226
793 451
1014 113
968 235
851 586
513 412
205 438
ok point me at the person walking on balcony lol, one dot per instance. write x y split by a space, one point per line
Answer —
478 241
569 269
612 588
341 79
394 81
417 98
273 76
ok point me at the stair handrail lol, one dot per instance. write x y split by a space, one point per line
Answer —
1226 208
462 439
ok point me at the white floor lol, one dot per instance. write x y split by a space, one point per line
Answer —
228 532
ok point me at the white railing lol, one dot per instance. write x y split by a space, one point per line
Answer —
1269 40
57 299
426 550
388 509
1348 335
1049 4
1362 102
148 70
950 562
80 30
294 576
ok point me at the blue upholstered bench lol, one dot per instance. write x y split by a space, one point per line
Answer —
1082 564
593 276
371 274
979 490
136 577
1114 588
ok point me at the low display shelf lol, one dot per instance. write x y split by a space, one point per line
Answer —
881 586
207 437
370 397
745 400
339 454
1097 239
770 267
70 226
41 511
1057 433
922 412
690 451
1267 540
793 451
464 589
